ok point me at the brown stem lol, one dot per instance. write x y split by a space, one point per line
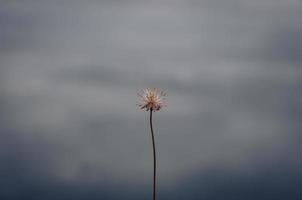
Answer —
154 156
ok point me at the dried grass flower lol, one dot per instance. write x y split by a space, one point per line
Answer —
152 99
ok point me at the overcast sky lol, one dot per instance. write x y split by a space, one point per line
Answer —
70 71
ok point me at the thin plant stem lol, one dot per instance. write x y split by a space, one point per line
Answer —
154 157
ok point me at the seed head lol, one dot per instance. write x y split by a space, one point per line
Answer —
151 99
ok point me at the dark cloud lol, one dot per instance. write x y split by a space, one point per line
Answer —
70 71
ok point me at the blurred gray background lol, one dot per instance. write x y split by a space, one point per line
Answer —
70 71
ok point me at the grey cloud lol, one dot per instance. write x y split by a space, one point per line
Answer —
70 72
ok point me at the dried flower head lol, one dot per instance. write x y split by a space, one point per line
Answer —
151 99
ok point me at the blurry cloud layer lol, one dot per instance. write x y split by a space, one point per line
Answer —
70 71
